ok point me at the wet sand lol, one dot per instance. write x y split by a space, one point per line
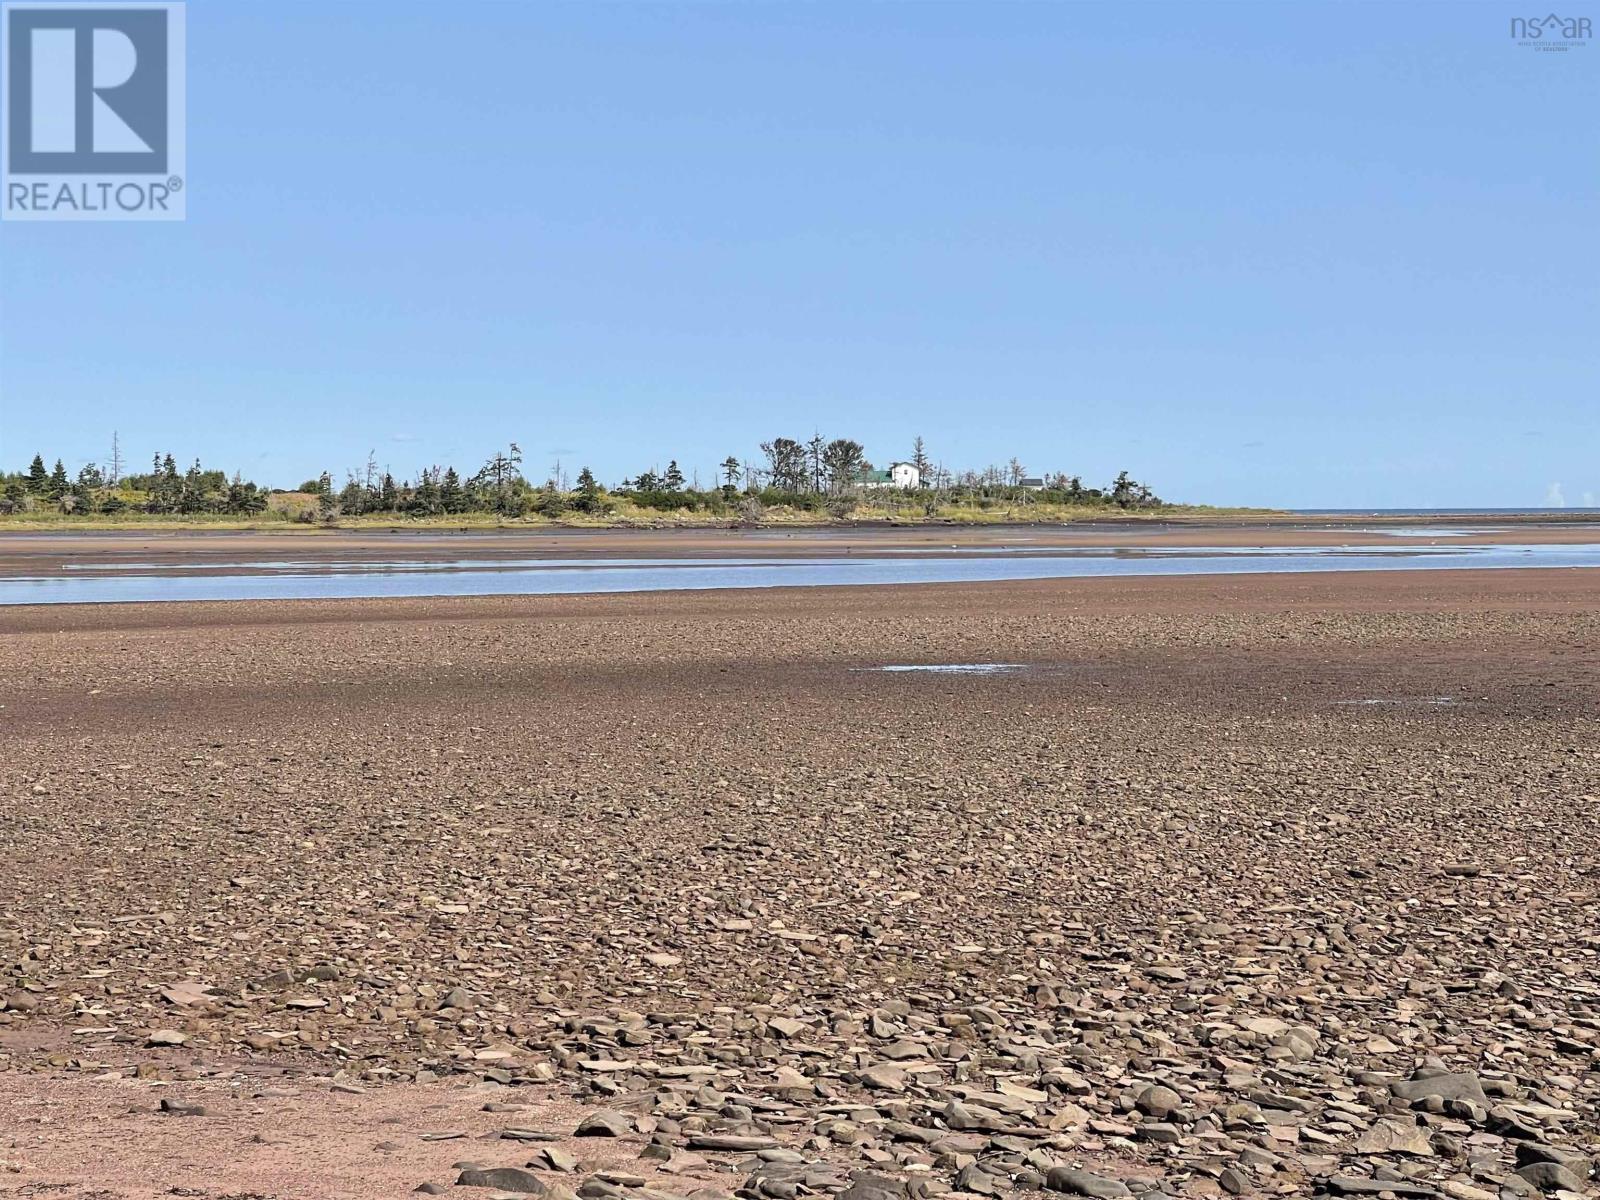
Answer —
53 553
1197 890
267 1136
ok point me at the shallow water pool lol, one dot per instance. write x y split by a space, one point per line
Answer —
113 582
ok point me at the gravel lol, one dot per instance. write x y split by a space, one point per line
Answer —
1160 912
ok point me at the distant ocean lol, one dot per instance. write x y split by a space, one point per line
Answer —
1530 511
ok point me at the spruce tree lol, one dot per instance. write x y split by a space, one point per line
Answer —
427 495
327 505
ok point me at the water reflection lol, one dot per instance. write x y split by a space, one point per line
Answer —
122 582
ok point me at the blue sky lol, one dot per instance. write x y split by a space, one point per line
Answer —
1291 254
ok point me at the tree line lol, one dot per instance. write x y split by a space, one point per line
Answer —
821 473
162 490
817 474
499 487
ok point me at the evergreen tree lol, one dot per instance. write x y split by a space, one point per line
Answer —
59 483
352 497
327 508
426 498
38 477
450 498
551 501
815 449
1123 490
192 496
674 478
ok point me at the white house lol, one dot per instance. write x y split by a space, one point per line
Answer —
899 475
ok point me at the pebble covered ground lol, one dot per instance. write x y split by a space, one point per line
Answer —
1275 886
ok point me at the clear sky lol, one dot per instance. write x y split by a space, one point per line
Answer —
1287 254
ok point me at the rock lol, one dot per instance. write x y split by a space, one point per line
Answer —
1551 1177
179 1109
1463 1085
506 1179
1349 1185
1160 1132
1084 1183
961 1116
868 1186
430 1189
185 993
884 1077
730 1141
787 1079
166 1037
21 1001
457 997
902 1049
604 1123
973 1178
554 1158
1158 1101
1395 1137
1580 1165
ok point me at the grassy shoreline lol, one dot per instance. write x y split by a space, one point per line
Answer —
626 517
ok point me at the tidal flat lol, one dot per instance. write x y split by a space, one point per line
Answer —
1205 894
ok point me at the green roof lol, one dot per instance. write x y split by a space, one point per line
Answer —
876 477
